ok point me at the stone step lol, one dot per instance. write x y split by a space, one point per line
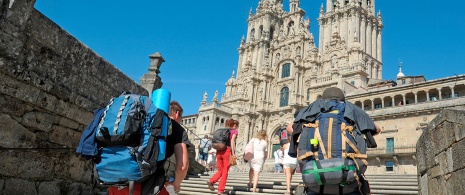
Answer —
274 183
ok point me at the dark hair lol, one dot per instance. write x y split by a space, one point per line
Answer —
205 137
175 106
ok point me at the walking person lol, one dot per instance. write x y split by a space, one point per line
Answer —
211 161
278 160
204 147
260 152
222 158
289 165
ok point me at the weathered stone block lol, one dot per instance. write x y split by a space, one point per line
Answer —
423 184
38 120
66 122
47 188
19 186
456 183
434 172
433 186
459 131
421 153
458 155
13 106
64 136
448 136
429 151
26 164
14 135
442 160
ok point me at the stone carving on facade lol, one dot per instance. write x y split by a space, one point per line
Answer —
205 95
215 97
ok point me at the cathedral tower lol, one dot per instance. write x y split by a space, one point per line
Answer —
350 39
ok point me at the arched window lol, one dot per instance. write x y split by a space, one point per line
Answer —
286 70
284 97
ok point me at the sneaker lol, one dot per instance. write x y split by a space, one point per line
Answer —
210 186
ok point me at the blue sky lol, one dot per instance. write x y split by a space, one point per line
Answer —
199 39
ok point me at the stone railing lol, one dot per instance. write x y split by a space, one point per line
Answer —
235 96
394 151
418 107
324 79
441 154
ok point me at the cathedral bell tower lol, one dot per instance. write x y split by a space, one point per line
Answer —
350 40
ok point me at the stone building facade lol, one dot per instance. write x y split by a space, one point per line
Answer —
280 70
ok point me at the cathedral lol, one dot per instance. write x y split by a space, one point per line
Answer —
280 71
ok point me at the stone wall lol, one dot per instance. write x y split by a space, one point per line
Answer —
49 85
441 154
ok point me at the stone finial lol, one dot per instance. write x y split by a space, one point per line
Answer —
215 97
205 96
151 81
155 62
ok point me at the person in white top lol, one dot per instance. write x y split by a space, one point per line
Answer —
289 165
278 160
260 152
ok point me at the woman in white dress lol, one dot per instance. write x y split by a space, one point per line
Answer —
260 152
211 161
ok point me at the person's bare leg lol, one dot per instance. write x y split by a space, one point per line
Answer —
287 171
255 180
250 177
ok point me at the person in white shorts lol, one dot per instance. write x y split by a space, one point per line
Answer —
289 165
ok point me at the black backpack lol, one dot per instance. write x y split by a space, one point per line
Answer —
221 139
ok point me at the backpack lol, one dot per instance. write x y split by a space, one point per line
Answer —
221 139
283 137
332 153
131 139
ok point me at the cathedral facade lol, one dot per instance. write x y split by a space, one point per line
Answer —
280 71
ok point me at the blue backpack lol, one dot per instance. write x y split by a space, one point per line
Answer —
331 153
130 139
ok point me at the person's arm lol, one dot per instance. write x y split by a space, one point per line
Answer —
182 164
233 145
289 128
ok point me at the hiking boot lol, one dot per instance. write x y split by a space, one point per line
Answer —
210 186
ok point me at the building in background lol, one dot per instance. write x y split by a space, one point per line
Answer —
280 71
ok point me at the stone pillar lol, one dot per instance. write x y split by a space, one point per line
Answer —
151 80
379 55
363 31
322 37
440 94
427 96
374 40
368 38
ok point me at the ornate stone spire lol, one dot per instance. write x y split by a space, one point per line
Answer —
400 74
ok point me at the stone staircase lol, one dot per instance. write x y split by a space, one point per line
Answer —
274 183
